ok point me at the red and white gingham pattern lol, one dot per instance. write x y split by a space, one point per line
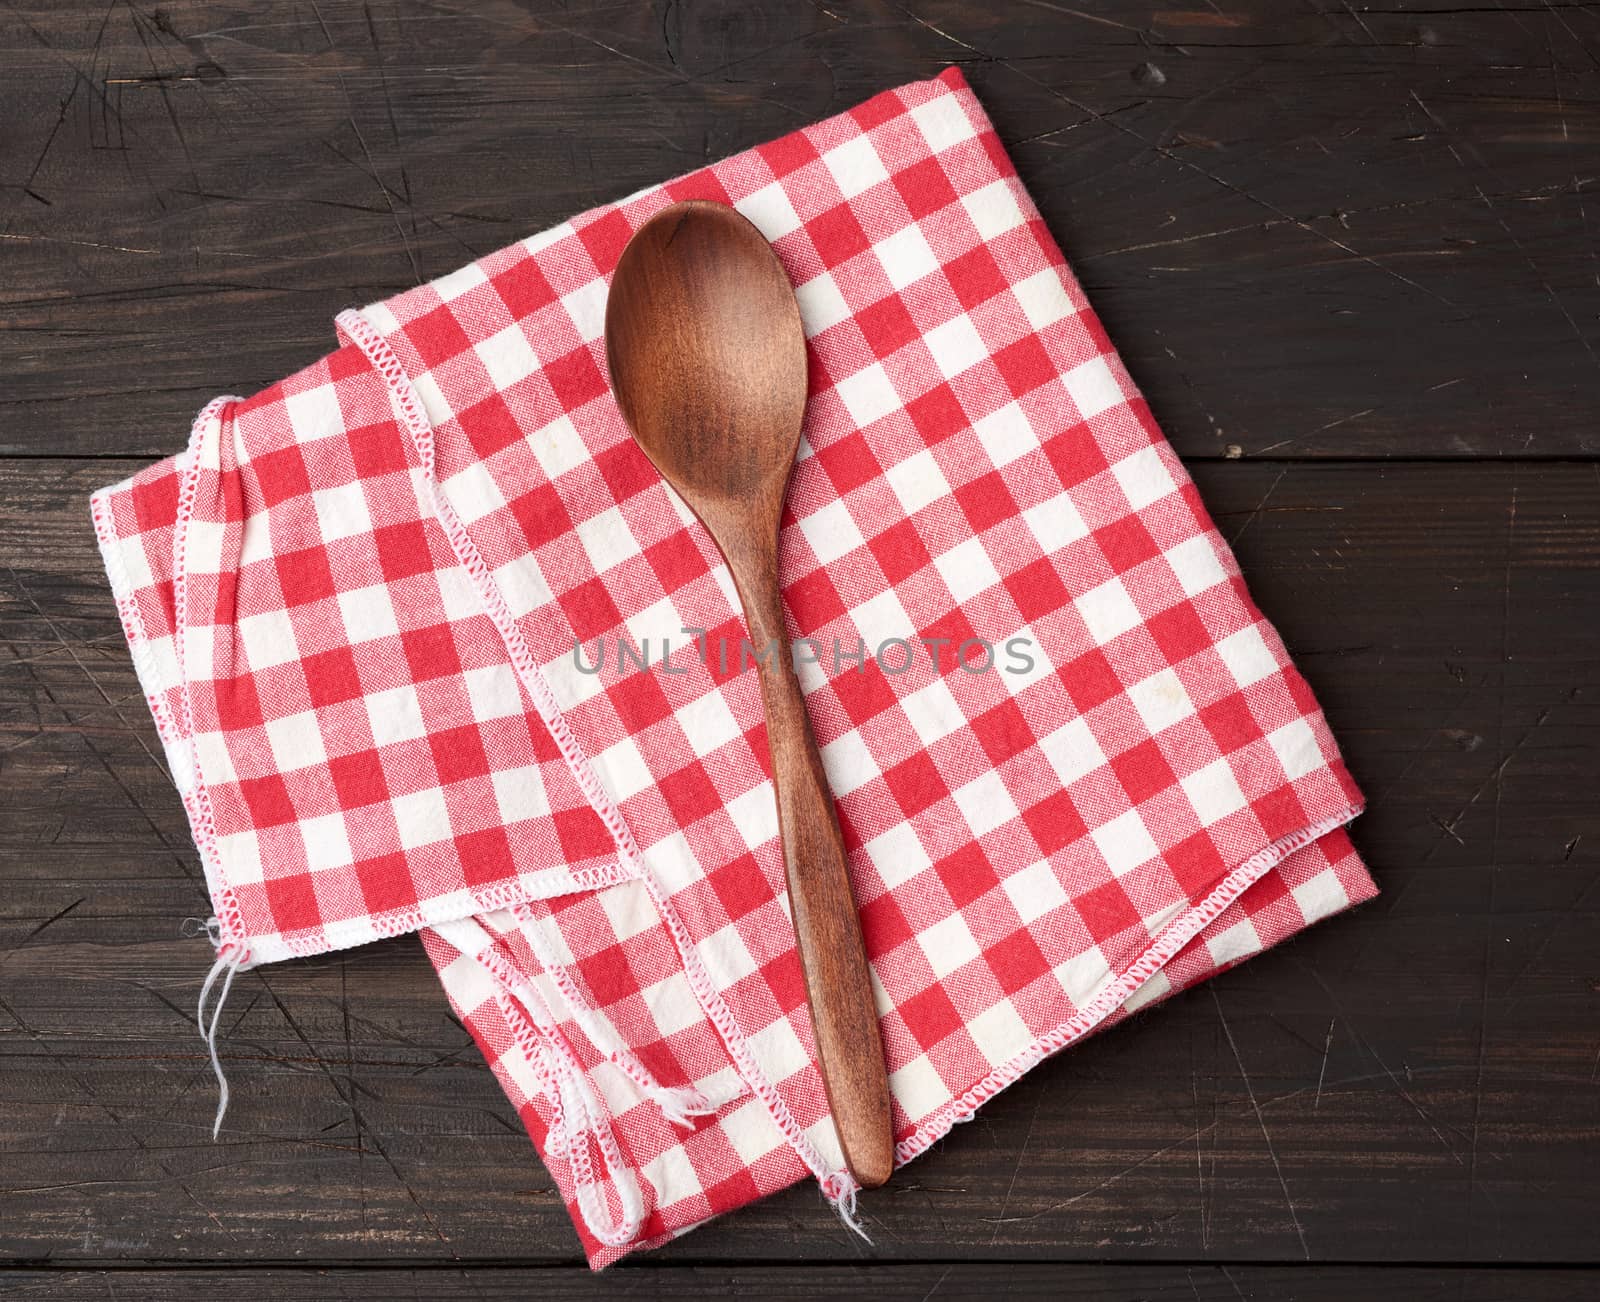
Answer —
380 568
350 740
742 1155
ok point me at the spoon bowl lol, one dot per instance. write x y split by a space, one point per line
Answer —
708 364
708 361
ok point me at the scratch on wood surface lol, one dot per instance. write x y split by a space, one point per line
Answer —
1257 1105
954 40
1533 267
1554 10
1164 152
49 140
1542 281
349 1100
1571 911
1243 193
1332 424
1322 1073
82 244
1168 244
1398 1088
1261 1121
48 922
394 125
1449 825
1199 1164
1059 9
72 728
372 166
110 769
821 10
350 1080
938 1283
166 99
1360 21
82 1082
445 1059
388 196
108 109
323 23
1017 1169
1259 507
1089 1192
1588 238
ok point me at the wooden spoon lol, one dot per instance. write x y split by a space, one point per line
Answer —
708 363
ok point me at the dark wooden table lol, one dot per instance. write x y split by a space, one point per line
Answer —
1348 252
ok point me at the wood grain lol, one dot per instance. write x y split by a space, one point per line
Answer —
1424 1067
708 362
1310 227
919 1283
1351 246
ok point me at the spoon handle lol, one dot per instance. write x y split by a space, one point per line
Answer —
844 1016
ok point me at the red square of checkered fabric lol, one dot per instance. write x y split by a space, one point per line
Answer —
432 647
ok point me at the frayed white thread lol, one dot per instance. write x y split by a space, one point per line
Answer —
227 966
680 1107
844 1207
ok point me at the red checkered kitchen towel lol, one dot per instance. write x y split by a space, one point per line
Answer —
1074 766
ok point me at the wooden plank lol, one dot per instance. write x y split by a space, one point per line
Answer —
1413 1081
1319 230
897 1283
